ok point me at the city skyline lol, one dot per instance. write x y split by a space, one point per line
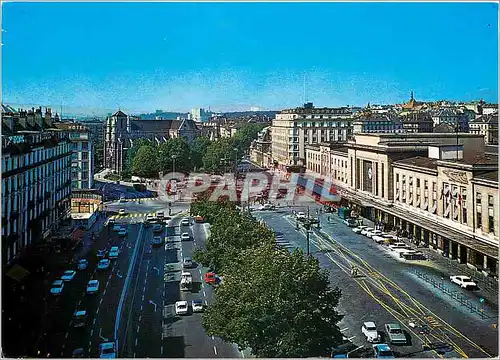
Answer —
235 56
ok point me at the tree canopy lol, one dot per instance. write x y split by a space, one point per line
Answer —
145 162
177 147
277 303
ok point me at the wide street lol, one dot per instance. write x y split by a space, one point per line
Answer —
388 289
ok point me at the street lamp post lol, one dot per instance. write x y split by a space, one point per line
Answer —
235 161
173 162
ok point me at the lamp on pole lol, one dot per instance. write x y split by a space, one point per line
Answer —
173 162
235 160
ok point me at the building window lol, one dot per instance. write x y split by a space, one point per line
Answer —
479 220
478 198
85 155
434 187
491 222
383 180
418 183
426 184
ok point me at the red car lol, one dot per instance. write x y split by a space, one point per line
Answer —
210 278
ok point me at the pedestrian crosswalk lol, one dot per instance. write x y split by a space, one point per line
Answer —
282 242
132 215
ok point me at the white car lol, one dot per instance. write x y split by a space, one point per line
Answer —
150 217
103 264
372 233
366 230
350 222
113 252
185 222
122 212
107 350
398 245
464 282
185 236
68 275
301 215
369 330
57 287
92 287
378 239
181 307
197 305
358 229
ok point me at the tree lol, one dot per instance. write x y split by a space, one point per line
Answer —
219 153
130 155
246 134
145 162
277 303
198 149
177 147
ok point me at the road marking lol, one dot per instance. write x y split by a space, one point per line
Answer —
344 329
100 301
134 355
161 350
67 334
141 307
199 270
97 312
215 350
144 289
213 338
109 278
63 346
138 329
242 355
104 292
352 337
95 319
206 302
204 293
163 293
140 317
143 297
135 341
91 332
79 302
145 280
61 353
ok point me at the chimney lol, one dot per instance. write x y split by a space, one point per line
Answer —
39 118
48 117
30 117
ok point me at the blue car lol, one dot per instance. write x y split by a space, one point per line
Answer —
383 351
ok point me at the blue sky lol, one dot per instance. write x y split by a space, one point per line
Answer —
233 56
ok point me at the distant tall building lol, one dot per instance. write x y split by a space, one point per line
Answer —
200 115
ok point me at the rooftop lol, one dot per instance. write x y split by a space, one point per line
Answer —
488 175
419 161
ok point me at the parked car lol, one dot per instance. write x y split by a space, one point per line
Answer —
113 252
350 222
358 229
103 264
82 264
111 221
157 241
300 215
117 227
378 239
157 228
122 212
79 318
150 217
187 263
395 334
107 350
365 230
197 305
181 307
372 233
464 282
383 351
57 287
92 287
369 330
398 245
160 215
185 222
101 253
185 236
123 199
68 275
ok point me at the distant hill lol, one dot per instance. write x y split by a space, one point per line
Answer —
164 115
236 114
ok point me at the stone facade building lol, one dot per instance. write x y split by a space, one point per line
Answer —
445 197
486 125
36 179
121 130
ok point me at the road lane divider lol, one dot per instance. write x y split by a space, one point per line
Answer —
126 284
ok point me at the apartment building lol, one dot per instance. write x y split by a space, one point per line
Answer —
260 149
36 179
82 160
372 122
443 195
293 129
486 125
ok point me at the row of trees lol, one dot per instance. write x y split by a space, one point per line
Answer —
277 303
147 159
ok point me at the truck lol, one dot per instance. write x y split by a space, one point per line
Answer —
186 281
